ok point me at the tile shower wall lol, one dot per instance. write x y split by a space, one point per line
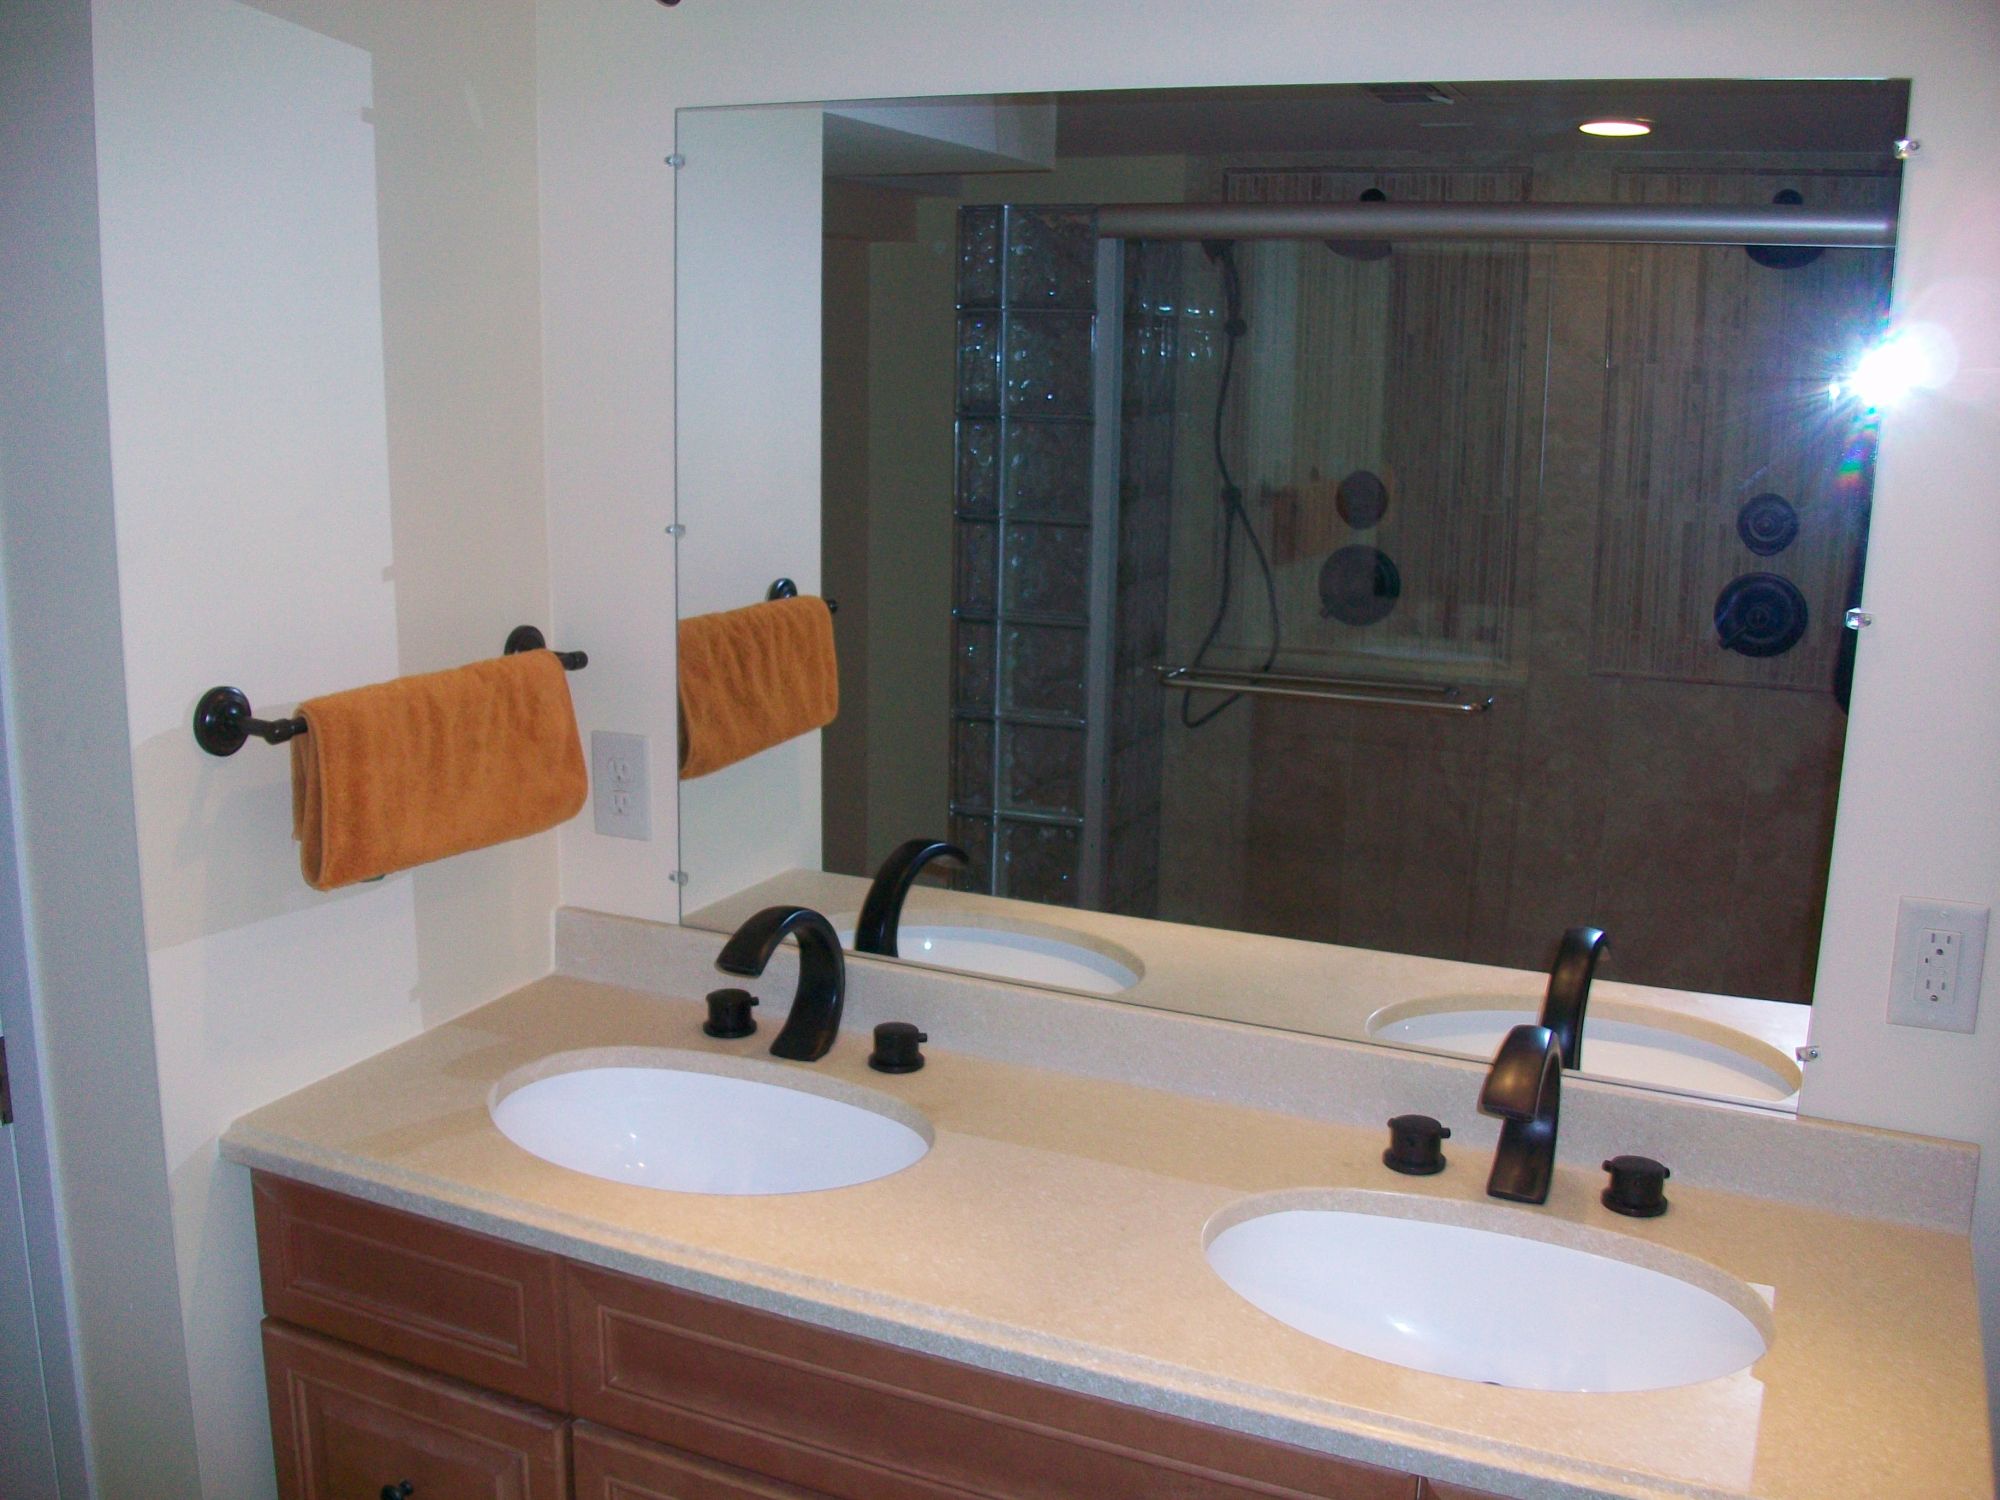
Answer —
1027 299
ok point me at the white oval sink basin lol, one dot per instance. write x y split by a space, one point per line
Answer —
1491 1306
1030 957
1631 1043
698 1123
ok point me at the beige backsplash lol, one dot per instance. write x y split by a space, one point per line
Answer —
1320 989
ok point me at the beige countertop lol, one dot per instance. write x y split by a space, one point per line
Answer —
1321 989
1054 1230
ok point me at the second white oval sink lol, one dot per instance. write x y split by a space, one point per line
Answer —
1000 953
1485 1305
697 1123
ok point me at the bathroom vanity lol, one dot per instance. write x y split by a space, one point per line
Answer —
1027 1309
455 1359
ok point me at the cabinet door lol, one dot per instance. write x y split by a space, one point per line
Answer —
612 1466
461 1303
348 1425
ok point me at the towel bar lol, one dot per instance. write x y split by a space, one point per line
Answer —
222 719
1437 697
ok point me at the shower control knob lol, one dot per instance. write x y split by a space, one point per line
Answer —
1413 1146
729 1014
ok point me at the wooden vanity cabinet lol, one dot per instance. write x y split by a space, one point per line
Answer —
394 1340
348 1425
611 1466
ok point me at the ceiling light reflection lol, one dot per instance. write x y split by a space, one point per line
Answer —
1616 127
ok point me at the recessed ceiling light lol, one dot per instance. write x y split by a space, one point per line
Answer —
1616 127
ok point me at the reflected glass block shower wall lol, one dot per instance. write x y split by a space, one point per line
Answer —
1024 559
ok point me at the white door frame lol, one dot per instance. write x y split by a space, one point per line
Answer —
37 1389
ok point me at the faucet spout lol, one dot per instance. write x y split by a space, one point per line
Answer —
1569 989
883 910
809 1031
1524 1088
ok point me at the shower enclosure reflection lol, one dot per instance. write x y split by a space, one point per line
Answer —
1425 597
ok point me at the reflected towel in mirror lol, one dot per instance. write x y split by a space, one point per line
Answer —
752 678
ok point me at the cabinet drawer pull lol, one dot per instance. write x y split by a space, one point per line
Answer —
401 1491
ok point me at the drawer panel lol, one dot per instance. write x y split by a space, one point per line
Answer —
445 1298
612 1466
348 1425
861 1420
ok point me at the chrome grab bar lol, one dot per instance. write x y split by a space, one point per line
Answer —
1375 691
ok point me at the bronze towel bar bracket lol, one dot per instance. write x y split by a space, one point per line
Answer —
784 588
223 721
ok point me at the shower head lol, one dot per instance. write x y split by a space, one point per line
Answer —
1363 249
1785 257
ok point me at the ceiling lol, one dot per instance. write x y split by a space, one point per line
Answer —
1705 115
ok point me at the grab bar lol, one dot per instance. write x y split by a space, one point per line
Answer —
1375 691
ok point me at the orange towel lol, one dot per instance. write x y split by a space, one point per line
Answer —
409 771
753 678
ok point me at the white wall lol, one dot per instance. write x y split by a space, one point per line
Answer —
1920 806
321 308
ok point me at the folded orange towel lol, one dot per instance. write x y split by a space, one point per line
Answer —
409 771
753 678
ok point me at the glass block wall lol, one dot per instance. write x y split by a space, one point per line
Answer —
1027 301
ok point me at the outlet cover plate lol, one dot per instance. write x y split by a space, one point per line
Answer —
1909 1005
620 785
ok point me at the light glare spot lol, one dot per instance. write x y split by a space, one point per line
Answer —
1909 359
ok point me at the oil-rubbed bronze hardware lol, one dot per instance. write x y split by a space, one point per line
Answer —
1638 1187
223 721
882 912
814 1021
1414 1145
784 588
897 1048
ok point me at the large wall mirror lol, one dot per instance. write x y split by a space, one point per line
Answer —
1402 599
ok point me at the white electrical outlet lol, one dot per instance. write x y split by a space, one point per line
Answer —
620 786
1940 950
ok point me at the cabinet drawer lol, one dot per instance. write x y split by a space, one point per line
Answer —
861 1420
349 1425
611 1466
445 1298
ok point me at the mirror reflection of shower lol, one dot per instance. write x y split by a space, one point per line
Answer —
1229 495
1402 591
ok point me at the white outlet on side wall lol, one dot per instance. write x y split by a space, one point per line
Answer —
1940 950
620 787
